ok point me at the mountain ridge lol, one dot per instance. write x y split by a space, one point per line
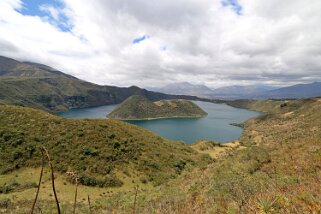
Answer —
295 91
238 91
40 86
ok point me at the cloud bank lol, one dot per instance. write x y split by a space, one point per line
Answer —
148 43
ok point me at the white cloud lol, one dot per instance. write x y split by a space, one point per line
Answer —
199 41
54 12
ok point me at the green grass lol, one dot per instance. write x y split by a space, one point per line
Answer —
27 180
65 191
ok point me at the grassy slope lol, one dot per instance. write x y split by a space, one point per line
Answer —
59 93
138 107
257 105
96 149
55 93
278 172
105 153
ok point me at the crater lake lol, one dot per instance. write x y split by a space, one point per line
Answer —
216 126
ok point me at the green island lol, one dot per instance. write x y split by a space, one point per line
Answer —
138 107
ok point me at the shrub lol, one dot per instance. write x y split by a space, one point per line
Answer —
180 166
107 181
7 188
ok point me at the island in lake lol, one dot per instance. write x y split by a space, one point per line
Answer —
138 107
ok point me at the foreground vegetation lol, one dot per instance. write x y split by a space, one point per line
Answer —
139 108
101 151
275 169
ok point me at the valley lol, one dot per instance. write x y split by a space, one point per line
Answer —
274 162
166 107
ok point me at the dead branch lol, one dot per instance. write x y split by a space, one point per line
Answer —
135 199
89 204
52 179
39 183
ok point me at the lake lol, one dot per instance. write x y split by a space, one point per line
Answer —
216 126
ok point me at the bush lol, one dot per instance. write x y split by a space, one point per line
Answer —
107 181
180 166
143 180
90 152
7 188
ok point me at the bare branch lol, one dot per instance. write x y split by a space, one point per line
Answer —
39 183
52 180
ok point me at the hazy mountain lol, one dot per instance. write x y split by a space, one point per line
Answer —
40 86
295 91
244 92
266 92
239 92
228 92
185 88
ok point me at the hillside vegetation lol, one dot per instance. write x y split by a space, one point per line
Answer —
139 107
276 168
42 87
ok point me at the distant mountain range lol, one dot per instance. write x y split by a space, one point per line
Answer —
185 88
237 91
295 91
40 86
244 92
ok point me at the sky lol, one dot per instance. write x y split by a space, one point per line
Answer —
154 43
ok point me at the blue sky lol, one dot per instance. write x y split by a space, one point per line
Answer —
234 5
34 8
140 39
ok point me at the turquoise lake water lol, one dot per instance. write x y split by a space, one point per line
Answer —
216 126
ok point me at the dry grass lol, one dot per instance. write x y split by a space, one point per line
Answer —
215 150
